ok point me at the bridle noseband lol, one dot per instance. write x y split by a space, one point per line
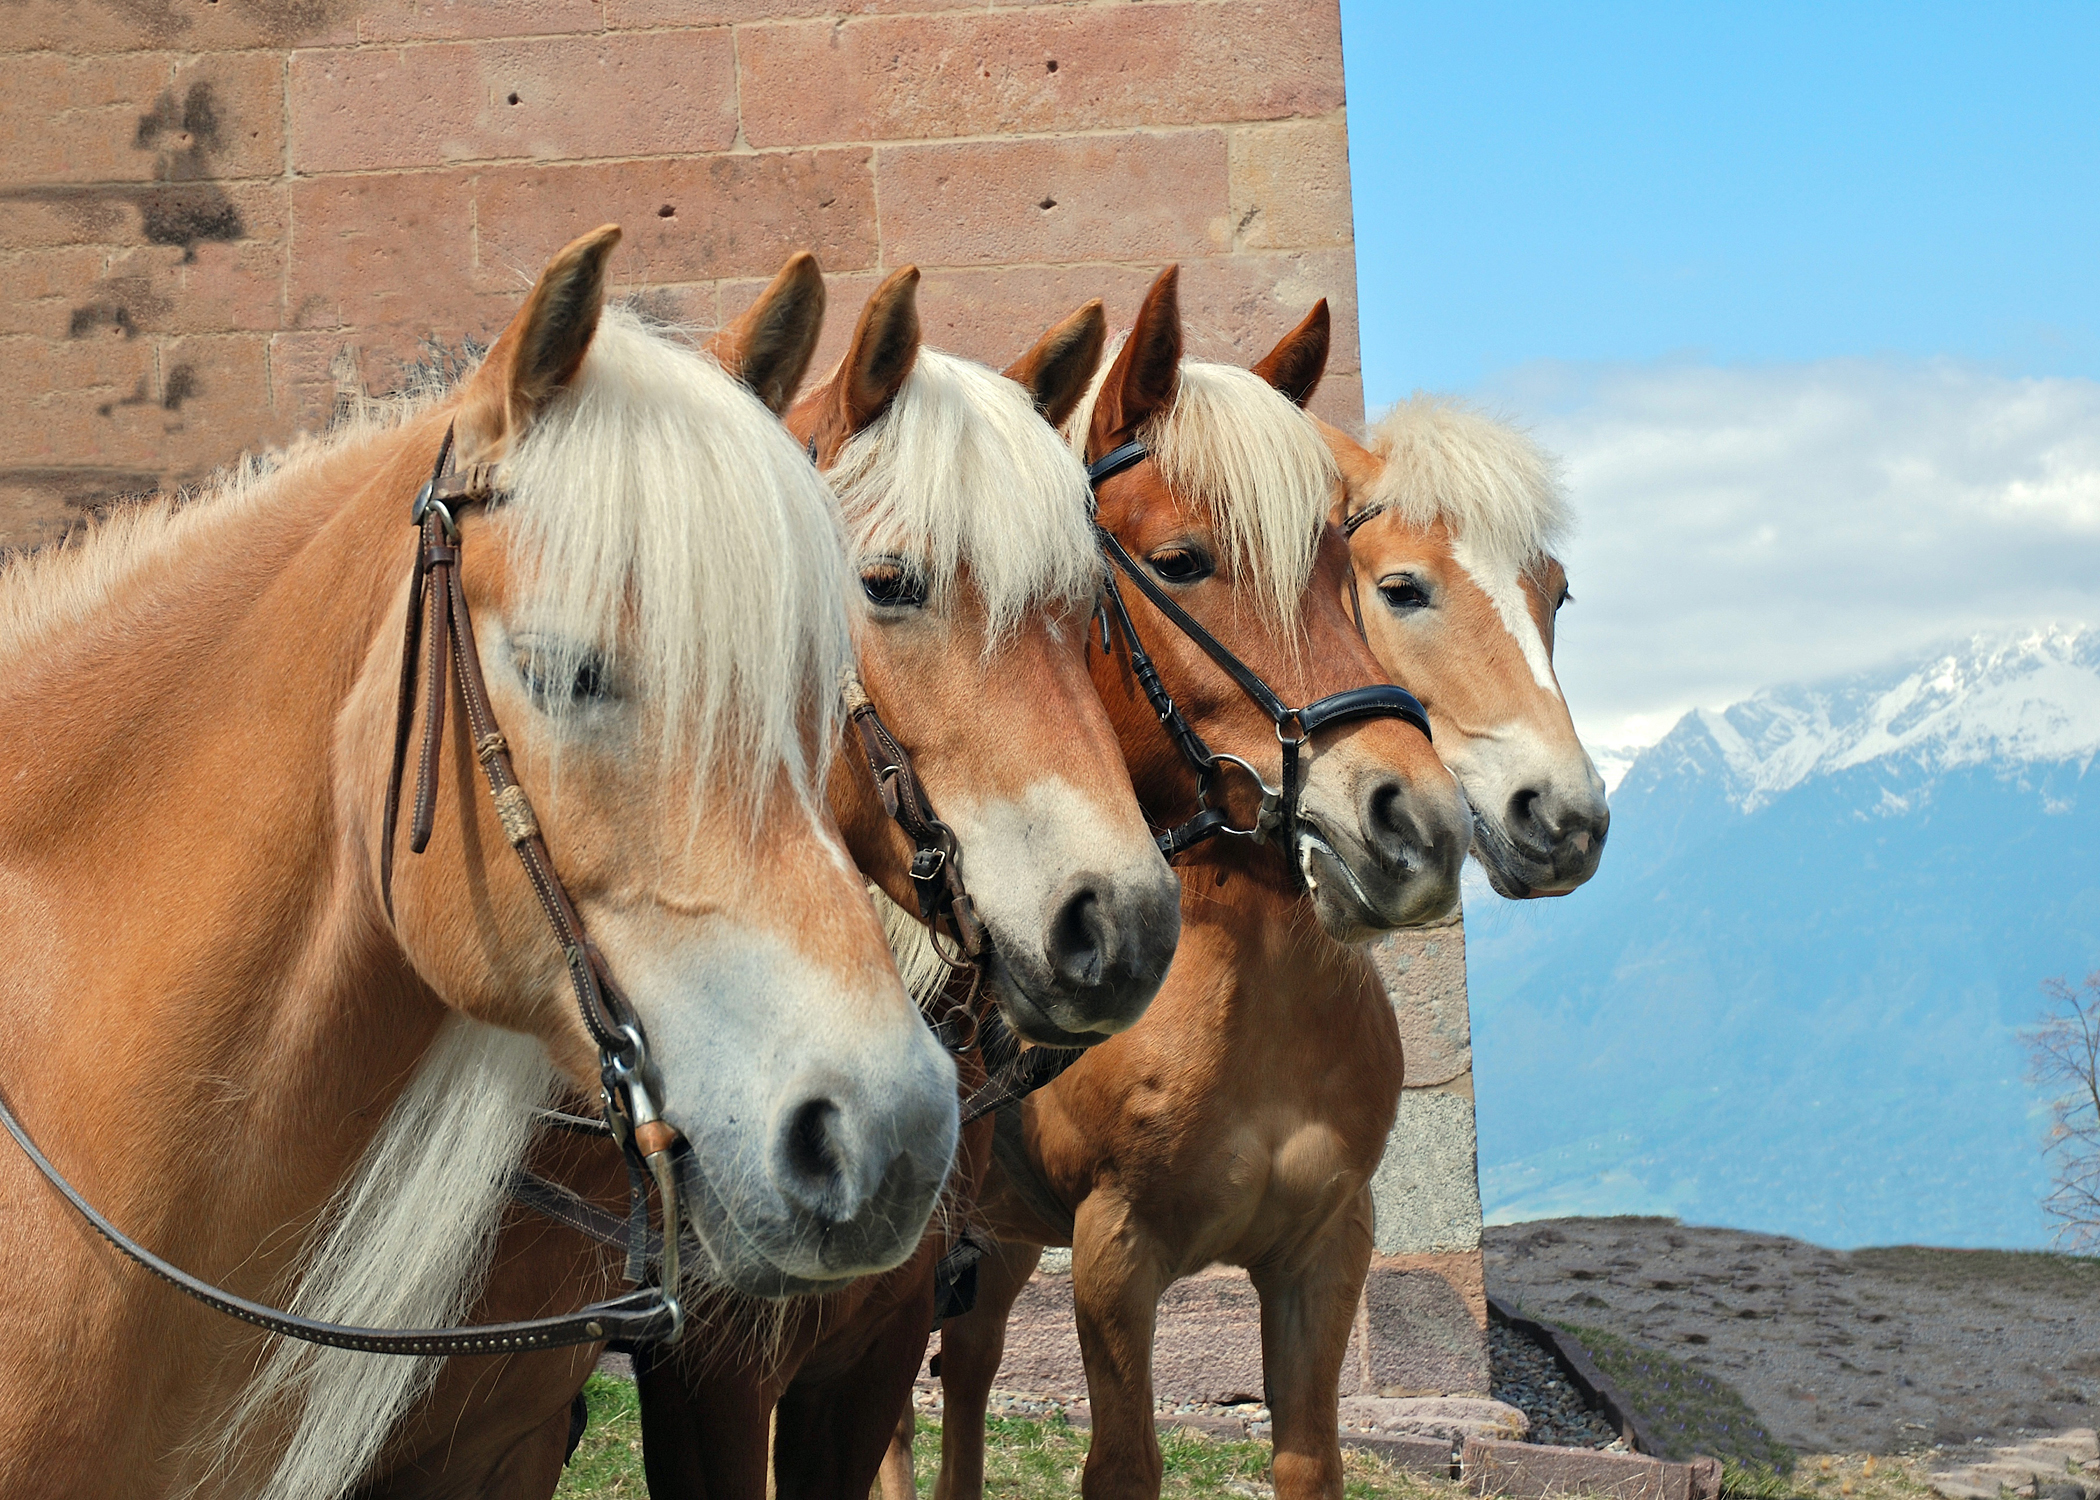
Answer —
649 1315
1277 821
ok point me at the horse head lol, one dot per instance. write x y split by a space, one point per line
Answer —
1222 511
977 570
1452 519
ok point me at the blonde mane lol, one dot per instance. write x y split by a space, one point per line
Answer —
1235 443
962 471
1495 488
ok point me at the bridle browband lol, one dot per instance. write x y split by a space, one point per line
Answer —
649 1315
1277 821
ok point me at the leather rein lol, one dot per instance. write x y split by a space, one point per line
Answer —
649 1315
1277 820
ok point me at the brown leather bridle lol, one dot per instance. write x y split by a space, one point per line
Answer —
647 1316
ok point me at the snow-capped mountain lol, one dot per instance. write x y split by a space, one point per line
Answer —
2010 700
1791 998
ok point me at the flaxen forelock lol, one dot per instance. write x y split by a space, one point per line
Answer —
961 472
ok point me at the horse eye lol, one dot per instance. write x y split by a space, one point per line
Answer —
1401 592
892 584
1565 598
1181 564
587 679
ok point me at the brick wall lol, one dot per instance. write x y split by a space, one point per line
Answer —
215 214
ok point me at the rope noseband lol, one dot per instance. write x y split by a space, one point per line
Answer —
1277 820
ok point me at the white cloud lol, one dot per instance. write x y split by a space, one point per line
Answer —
1744 527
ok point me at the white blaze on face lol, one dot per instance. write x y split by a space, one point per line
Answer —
1499 578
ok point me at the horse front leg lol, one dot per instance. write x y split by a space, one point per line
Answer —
1308 1306
971 1348
1118 1274
897 1480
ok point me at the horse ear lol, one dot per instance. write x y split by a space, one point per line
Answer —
1147 371
1057 369
1296 364
537 356
769 347
1359 465
885 347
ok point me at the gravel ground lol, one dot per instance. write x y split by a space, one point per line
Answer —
1877 1351
1526 1377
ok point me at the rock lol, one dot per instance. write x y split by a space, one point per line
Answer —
1452 1417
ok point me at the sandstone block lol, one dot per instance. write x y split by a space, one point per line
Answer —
1427 1189
377 251
1419 1454
563 98
458 20
1451 1419
1039 70
88 27
214 400
1532 1471
1420 1337
1290 185
730 216
45 287
1424 973
1122 197
644 14
77 119
313 376
92 403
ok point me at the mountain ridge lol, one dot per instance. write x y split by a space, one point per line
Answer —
1790 1001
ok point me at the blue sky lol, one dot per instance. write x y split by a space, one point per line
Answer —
1806 297
1723 182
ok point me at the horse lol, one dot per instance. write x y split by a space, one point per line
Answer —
1453 522
977 569
1242 1119
299 1067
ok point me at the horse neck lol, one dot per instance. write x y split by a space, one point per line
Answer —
173 821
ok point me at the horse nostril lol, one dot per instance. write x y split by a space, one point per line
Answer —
1389 822
1523 807
815 1166
1079 939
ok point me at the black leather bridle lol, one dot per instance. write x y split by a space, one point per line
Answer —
1277 821
646 1316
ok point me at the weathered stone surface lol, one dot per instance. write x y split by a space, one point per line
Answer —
1424 972
1038 71
1532 1471
1419 1336
552 99
1427 1189
1073 198
1290 185
1419 1454
1451 1418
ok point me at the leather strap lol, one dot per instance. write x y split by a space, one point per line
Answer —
1279 804
645 1315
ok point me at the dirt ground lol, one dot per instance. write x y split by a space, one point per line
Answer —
1872 1351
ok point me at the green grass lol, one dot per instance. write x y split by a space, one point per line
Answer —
608 1462
1024 1460
2009 1270
1690 1411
